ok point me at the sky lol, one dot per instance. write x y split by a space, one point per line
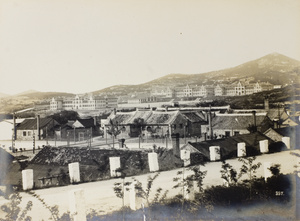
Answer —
80 46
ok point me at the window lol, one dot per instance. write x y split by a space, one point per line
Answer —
29 133
24 133
181 126
236 133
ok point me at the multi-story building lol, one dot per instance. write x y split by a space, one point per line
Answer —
84 102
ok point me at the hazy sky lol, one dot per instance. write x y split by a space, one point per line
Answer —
81 46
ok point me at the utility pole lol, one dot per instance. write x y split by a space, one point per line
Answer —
68 139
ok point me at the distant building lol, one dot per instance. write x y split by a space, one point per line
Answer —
84 102
240 88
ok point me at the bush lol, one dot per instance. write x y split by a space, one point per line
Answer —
222 195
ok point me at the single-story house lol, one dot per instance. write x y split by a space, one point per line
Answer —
225 125
228 146
39 127
195 120
291 132
149 123
79 130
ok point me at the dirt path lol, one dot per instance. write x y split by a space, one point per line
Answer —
100 195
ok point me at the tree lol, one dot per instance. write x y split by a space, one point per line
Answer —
119 188
228 173
186 183
113 130
64 116
140 124
13 210
249 168
145 193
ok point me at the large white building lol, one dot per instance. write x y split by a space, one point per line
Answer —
83 102
235 89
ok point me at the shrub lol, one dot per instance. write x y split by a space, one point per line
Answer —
221 195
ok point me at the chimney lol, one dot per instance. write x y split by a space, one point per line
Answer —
38 126
166 108
14 126
254 119
95 120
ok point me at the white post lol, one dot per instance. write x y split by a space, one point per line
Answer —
114 163
132 196
153 162
267 172
241 149
77 205
27 179
264 146
287 142
74 172
215 153
185 155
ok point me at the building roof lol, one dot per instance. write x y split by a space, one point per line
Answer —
150 117
195 117
158 117
233 121
288 131
86 123
276 113
228 145
31 124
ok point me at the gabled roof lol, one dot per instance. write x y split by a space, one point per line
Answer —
31 124
194 117
86 123
274 113
233 121
158 117
150 117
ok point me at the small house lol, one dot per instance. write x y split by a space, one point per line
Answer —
39 128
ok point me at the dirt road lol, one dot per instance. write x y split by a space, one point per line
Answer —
101 197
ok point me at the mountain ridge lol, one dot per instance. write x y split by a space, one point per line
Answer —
274 68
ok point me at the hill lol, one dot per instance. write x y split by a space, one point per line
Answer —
273 68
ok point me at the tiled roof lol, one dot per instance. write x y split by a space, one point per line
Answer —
273 113
162 117
194 117
150 117
31 124
235 121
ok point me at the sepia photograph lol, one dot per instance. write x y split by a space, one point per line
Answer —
149 110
